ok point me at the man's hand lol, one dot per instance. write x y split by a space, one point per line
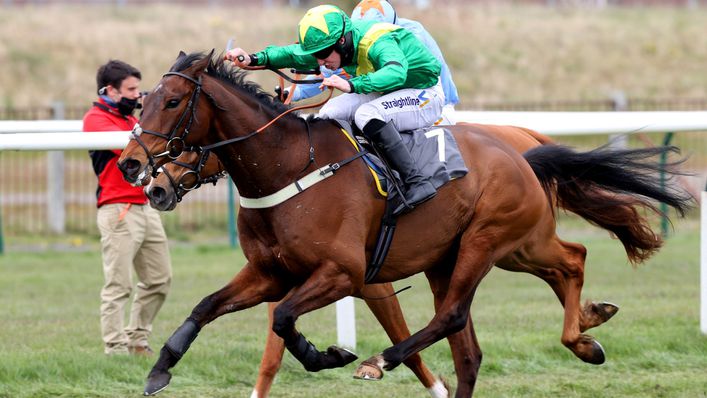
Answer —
234 54
336 82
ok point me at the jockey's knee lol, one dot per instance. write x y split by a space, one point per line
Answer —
366 113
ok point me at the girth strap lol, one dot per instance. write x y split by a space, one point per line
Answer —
385 238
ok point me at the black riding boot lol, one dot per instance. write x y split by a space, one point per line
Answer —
387 139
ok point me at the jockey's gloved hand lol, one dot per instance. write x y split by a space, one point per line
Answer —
280 95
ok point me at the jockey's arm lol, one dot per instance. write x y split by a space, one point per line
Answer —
278 57
391 68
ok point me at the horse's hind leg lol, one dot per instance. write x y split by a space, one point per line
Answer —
389 314
561 265
594 314
250 287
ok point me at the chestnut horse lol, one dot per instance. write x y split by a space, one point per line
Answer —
311 250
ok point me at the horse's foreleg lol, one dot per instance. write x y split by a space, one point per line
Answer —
272 358
465 348
467 357
247 289
324 286
389 314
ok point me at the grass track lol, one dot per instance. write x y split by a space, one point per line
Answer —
50 344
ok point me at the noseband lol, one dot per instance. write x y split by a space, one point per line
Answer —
178 185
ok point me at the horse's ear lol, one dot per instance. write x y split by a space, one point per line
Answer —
181 54
200 66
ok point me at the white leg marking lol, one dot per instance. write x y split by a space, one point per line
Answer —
438 390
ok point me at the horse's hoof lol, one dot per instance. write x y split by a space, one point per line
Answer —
595 314
342 355
369 370
606 310
156 382
595 353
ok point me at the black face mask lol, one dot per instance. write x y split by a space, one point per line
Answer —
126 106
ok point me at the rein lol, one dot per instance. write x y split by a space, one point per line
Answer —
287 98
268 124
174 151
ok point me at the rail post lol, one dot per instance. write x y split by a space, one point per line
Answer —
663 207
620 101
2 242
703 262
56 210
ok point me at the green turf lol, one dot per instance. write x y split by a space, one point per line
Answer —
50 343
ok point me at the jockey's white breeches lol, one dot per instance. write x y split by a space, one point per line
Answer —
408 109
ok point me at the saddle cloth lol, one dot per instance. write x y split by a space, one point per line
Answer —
433 149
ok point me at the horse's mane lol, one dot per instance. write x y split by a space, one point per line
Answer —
235 77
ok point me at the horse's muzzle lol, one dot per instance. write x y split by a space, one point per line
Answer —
160 199
130 169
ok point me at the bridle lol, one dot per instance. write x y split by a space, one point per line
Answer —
182 185
175 144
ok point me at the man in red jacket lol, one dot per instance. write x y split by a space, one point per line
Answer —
132 236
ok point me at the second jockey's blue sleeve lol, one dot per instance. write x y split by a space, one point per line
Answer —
450 89
304 91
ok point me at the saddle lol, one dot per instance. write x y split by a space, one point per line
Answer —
436 155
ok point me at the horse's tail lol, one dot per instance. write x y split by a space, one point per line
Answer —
608 187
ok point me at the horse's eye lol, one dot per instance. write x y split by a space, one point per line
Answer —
172 103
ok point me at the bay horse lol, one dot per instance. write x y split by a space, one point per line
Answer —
194 168
311 250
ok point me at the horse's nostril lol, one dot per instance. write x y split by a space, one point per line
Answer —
157 194
130 168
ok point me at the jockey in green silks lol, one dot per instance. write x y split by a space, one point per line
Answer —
394 83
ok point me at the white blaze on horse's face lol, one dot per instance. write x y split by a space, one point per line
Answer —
152 182
137 131
144 177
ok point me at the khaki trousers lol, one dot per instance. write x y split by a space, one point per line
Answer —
132 239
